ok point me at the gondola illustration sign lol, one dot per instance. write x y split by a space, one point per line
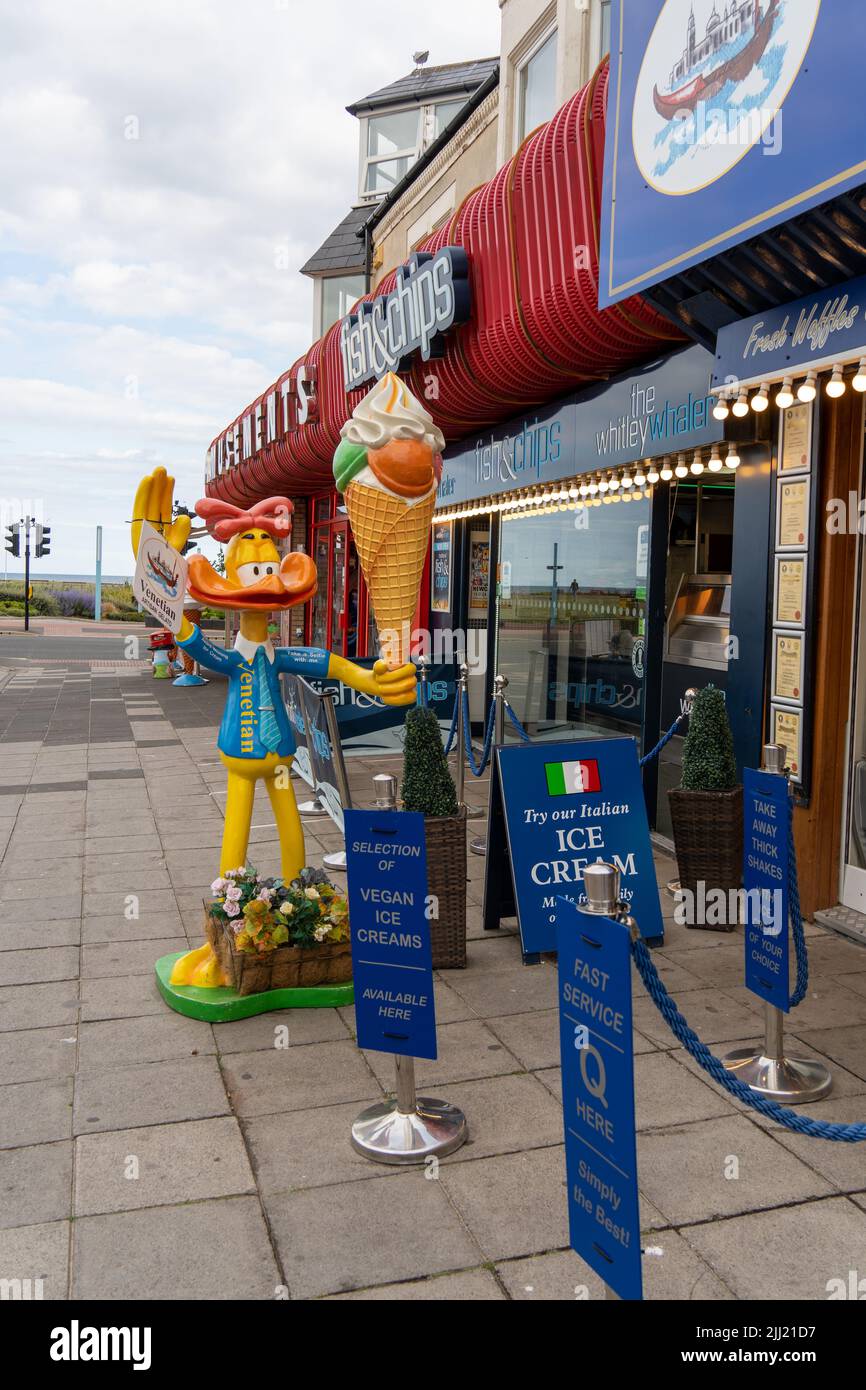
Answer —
713 127
160 578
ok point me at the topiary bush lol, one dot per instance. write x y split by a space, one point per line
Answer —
709 764
428 786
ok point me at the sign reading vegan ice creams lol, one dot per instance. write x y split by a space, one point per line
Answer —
387 466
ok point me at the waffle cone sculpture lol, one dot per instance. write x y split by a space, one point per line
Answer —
388 467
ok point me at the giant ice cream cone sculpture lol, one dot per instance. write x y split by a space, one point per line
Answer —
387 467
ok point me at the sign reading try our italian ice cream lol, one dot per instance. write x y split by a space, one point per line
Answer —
567 805
387 466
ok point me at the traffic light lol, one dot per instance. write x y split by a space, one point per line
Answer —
13 538
43 540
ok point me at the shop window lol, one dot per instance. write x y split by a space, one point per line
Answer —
537 87
571 619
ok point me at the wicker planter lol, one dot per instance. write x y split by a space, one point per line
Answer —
708 836
288 967
446 877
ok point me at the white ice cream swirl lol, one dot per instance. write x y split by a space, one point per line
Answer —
390 411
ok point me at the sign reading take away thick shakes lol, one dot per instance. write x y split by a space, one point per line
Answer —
566 805
767 818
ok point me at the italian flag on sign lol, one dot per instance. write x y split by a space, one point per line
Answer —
566 779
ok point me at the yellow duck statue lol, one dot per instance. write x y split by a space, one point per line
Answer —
255 738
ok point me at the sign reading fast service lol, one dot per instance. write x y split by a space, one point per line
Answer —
767 817
662 406
720 124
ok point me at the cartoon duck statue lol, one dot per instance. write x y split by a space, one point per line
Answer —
255 738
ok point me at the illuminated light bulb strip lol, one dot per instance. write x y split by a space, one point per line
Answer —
735 398
627 484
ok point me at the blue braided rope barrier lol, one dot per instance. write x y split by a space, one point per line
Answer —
516 724
476 769
663 741
799 935
801 1124
452 732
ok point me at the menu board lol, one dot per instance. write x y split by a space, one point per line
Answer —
441 566
479 572
796 452
790 605
792 588
788 666
787 729
792 520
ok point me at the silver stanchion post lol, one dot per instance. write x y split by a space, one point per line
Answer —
337 860
410 1128
768 1072
471 812
500 685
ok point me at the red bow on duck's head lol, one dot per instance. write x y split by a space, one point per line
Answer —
223 521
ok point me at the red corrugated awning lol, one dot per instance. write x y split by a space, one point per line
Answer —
535 332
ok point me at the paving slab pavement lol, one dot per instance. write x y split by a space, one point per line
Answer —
143 1155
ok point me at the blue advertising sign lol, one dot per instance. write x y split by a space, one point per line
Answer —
567 805
362 717
720 125
294 709
595 1036
392 961
816 331
321 755
767 812
658 407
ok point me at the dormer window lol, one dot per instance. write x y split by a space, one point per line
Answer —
393 141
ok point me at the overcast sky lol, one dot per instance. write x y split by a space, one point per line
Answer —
160 161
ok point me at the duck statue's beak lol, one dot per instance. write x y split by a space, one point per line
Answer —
295 582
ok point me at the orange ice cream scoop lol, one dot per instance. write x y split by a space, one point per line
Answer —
404 466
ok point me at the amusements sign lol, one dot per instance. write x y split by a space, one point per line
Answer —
595 1035
392 963
160 578
767 814
566 805
713 128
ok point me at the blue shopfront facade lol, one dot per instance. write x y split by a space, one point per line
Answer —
567 594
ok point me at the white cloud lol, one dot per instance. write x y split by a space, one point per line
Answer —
143 300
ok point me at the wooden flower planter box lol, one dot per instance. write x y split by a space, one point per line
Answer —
288 967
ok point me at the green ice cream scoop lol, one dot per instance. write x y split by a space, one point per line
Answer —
348 461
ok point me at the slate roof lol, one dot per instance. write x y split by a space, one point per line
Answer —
343 249
428 84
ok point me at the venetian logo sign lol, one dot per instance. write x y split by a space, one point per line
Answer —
431 296
712 84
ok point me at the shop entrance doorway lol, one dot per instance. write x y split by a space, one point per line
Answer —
341 620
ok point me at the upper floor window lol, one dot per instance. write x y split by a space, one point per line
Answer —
339 293
604 27
537 87
392 145
395 139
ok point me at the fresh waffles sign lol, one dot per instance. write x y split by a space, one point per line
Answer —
431 296
717 127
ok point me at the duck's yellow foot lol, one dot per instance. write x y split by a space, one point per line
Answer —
199 967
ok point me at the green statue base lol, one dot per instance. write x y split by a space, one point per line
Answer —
223 1005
